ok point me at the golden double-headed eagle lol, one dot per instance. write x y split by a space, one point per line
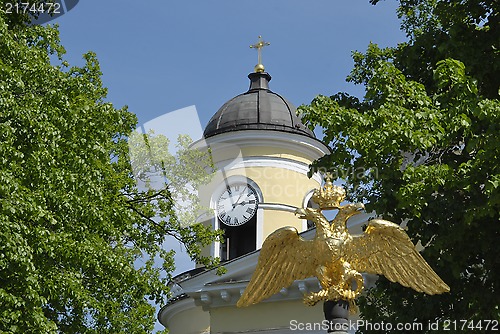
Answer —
337 258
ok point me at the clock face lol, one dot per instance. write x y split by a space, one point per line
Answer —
237 204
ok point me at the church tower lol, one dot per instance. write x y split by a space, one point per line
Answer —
262 152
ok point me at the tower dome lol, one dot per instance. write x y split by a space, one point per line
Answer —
257 109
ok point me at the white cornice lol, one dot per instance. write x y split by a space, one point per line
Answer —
169 311
263 161
311 147
227 293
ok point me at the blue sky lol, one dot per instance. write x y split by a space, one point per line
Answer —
159 56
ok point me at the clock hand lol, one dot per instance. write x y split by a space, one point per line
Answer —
242 203
239 197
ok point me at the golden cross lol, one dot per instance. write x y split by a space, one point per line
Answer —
259 45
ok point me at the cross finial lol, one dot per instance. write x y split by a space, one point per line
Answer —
259 45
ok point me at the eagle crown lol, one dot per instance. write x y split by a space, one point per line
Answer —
329 196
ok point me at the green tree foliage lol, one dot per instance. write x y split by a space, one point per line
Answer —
80 244
465 30
425 145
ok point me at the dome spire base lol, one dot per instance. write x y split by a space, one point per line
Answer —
259 68
259 80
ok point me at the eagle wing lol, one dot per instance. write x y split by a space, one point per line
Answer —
385 249
285 256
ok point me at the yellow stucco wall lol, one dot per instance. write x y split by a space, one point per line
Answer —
280 185
263 316
231 152
190 321
274 220
275 152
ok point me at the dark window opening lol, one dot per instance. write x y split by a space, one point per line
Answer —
238 240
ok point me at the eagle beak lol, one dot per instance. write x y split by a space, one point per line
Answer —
301 213
360 208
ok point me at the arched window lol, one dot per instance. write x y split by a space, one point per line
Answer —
236 202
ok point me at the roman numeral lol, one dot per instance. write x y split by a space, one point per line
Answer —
229 190
249 210
228 219
236 221
252 201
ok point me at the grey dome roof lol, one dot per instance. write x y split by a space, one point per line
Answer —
257 109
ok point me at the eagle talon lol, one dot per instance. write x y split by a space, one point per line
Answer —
313 298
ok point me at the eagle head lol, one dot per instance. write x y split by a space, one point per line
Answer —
353 209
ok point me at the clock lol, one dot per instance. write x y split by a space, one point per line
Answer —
237 204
